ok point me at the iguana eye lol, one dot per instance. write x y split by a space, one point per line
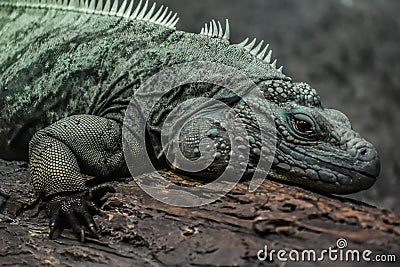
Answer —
303 125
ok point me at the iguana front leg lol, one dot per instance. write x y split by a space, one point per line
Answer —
59 154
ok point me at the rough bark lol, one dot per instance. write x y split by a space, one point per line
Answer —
137 230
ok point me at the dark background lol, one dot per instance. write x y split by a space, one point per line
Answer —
347 49
350 54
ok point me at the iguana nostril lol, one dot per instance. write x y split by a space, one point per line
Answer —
364 152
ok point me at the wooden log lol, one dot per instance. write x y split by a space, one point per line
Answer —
138 230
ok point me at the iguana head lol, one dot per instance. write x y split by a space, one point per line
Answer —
317 147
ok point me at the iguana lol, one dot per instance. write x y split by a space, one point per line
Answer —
69 68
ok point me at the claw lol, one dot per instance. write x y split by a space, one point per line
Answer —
90 225
72 211
76 226
93 231
54 231
81 235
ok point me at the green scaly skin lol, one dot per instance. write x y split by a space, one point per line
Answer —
66 79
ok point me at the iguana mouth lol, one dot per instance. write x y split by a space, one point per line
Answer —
329 176
349 176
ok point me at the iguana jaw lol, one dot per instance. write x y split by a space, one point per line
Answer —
362 183
323 176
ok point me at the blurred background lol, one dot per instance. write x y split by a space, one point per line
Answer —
347 49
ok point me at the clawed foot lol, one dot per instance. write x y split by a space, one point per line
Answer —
74 211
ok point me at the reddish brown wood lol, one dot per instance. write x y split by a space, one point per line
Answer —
140 231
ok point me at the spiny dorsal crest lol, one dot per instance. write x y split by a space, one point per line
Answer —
214 29
126 9
142 12
257 51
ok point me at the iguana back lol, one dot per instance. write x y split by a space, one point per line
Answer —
57 61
